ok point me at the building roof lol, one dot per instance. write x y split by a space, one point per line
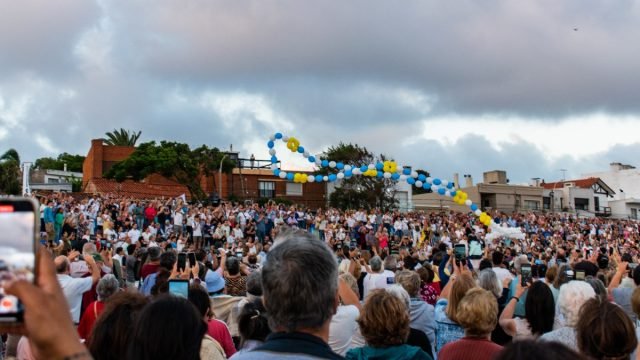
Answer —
135 189
586 183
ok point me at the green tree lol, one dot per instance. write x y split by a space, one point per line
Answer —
74 162
122 137
172 160
10 173
360 191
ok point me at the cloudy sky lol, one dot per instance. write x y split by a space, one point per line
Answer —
449 86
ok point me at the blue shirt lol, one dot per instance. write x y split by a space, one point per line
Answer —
446 330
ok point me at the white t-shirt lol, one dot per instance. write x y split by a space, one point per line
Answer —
73 288
502 274
134 235
342 328
378 281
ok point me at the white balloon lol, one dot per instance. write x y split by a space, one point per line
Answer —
283 175
419 183
403 177
371 166
478 212
347 167
311 178
306 154
414 174
429 180
387 175
447 193
468 202
318 161
285 138
272 151
340 175
325 178
356 171
272 138
444 183
332 164
274 166
434 188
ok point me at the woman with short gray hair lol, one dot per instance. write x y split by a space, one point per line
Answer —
106 287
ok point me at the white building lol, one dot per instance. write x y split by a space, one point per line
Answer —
625 180
586 197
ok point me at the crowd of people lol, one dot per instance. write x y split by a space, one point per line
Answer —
168 279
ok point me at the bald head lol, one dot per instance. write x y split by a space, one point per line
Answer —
62 264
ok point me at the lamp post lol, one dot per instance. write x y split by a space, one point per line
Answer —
220 176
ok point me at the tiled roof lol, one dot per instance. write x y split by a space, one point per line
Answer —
580 183
138 190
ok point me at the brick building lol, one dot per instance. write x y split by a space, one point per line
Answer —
250 180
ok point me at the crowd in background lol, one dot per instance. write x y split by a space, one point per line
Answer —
400 290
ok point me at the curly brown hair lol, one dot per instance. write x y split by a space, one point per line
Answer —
384 320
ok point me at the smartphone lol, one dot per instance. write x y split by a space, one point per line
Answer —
19 224
179 287
632 266
460 251
391 280
192 259
103 244
525 274
580 275
182 261
108 245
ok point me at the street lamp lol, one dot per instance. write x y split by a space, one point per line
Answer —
220 176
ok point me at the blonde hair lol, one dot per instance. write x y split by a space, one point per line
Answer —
478 312
410 281
352 282
461 285
635 301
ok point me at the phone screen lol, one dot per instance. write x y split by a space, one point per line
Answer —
179 288
580 275
525 274
17 252
459 251
182 261
192 259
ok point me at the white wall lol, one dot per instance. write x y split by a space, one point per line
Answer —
627 180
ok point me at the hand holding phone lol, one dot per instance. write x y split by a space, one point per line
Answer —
525 275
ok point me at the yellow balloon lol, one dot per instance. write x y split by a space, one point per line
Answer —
293 144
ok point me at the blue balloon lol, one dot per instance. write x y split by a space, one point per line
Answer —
274 159
325 163
348 173
289 176
395 176
340 166
426 186
411 181
300 149
441 191
422 178
278 136
318 178
364 168
474 207
437 182
380 175
276 172
453 193
332 177
312 159
379 166
450 185
406 171
270 144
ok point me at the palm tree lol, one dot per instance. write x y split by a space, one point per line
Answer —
122 137
10 172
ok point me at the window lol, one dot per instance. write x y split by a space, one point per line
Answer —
634 213
531 204
294 189
53 181
546 203
581 204
267 189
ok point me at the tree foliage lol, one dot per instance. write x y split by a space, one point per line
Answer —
10 173
74 162
417 190
122 137
172 160
360 191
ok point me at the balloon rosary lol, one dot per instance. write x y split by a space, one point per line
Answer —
386 170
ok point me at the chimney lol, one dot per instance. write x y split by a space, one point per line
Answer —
65 167
456 181
468 180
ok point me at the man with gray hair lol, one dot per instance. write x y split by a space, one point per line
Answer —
379 278
300 293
